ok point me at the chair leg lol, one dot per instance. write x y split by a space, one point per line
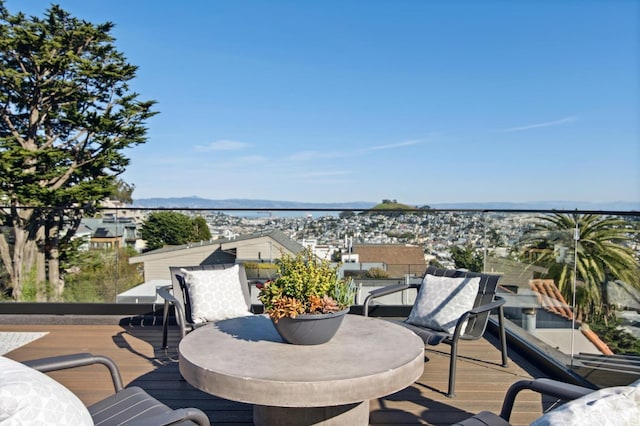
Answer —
452 369
454 353
165 325
503 337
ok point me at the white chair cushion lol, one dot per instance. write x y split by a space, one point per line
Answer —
215 294
616 406
442 300
29 397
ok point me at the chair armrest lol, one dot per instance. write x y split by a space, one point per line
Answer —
165 293
64 362
499 301
382 292
174 417
554 388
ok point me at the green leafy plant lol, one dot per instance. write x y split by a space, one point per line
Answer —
376 273
305 284
173 228
619 340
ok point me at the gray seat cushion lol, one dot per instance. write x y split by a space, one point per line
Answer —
430 337
130 404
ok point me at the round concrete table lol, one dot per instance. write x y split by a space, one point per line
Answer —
245 359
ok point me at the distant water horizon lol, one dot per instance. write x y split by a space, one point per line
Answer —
204 203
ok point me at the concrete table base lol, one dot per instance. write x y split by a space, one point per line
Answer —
340 415
245 359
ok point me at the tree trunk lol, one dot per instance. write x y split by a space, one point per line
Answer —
40 266
53 249
18 262
6 256
16 270
21 259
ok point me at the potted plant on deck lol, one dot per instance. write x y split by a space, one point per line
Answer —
307 300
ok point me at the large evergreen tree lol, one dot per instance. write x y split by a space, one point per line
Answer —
201 230
67 115
122 192
466 258
172 228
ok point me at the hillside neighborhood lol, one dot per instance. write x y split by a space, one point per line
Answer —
400 245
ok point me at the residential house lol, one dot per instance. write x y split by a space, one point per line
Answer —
399 259
515 275
258 247
108 233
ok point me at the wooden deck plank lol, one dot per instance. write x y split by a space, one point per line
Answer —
480 385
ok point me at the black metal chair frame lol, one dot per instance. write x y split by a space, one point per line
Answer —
562 391
132 406
176 295
476 319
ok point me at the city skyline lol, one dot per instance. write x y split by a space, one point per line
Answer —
423 102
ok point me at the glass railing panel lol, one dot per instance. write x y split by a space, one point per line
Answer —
598 340
106 262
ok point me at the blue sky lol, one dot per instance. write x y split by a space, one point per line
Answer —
420 101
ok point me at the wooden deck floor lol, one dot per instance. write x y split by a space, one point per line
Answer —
480 386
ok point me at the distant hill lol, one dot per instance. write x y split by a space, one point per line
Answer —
240 203
203 203
393 205
544 205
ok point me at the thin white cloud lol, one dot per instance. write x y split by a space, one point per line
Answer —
222 145
314 155
396 145
564 120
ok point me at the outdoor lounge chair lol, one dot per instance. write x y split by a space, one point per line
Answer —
468 324
31 396
177 295
615 404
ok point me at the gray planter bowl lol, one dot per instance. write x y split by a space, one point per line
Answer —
310 329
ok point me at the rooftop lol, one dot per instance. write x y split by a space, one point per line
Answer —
133 341
481 385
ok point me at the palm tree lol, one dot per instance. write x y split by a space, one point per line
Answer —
602 254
